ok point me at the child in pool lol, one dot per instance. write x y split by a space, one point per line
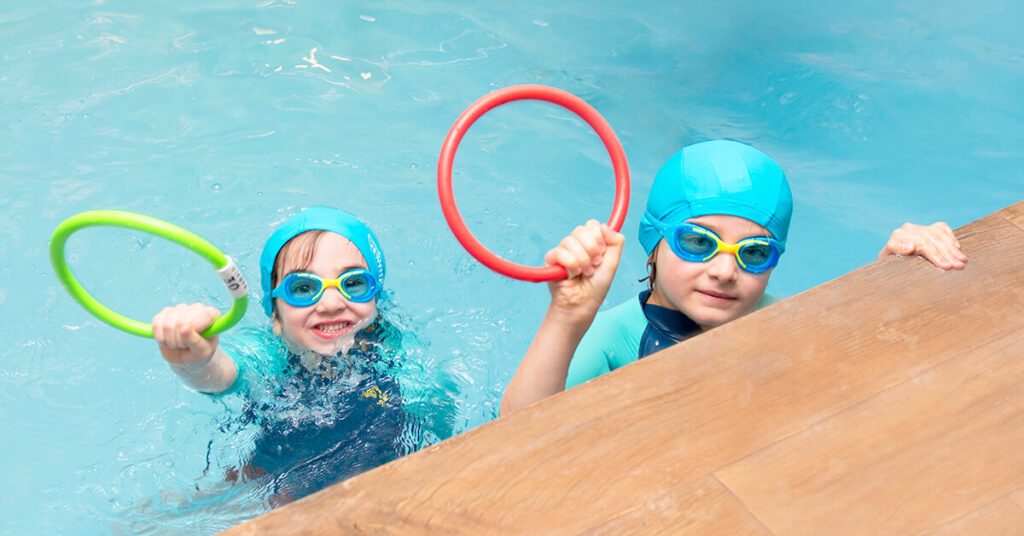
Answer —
713 197
328 399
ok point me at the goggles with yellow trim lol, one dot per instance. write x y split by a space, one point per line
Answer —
694 243
301 289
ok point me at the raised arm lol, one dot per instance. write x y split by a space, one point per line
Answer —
200 362
591 255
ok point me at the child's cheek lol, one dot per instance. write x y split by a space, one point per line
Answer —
371 314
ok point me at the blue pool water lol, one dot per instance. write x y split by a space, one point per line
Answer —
227 116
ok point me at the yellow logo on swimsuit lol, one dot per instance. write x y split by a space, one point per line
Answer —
376 392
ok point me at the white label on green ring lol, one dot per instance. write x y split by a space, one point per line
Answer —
233 280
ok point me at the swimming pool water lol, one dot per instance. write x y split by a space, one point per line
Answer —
226 117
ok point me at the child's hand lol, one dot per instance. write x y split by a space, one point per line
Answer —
177 330
935 242
591 255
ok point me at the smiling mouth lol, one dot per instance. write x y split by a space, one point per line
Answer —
332 330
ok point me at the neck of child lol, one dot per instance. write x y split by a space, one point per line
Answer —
659 299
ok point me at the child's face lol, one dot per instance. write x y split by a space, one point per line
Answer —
328 326
714 292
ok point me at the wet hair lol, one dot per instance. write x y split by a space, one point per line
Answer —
296 254
652 268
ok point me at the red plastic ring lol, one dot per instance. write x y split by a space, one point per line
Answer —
447 160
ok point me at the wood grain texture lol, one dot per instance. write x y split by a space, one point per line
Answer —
931 449
1015 214
1004 518
1018 498
636 450
700 507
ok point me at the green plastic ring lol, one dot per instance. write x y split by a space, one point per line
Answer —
226 268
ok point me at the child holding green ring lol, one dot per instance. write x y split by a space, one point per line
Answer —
329 403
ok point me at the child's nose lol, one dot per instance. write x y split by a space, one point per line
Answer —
723 267
332 300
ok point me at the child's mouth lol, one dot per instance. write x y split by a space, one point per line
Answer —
718 297
331 330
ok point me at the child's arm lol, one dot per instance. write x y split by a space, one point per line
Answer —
200 362
590 254
935 242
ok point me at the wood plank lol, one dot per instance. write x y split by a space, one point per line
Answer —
584 459
704 506
1002 517
1014 213
700 507
929 450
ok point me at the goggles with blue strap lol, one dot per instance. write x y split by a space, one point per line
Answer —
694 243
302 289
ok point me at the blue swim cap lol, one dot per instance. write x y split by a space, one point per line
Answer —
320 218
718 177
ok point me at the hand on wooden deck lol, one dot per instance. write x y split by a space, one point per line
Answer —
936 243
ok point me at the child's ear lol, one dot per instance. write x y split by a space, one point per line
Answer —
275 323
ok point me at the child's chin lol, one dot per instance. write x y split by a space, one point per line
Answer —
333 347
712 318
301 345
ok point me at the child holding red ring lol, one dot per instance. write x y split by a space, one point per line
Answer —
716 225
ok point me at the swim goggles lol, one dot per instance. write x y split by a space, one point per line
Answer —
301 289
694 243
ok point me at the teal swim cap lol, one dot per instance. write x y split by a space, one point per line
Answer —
320 218
718 177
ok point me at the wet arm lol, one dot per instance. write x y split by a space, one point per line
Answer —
216 376
198 361
590 255
545 365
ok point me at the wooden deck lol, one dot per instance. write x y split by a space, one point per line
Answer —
890 400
